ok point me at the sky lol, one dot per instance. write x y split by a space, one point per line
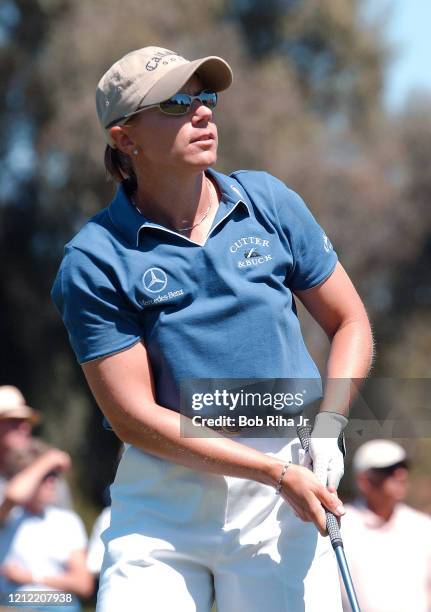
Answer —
409 28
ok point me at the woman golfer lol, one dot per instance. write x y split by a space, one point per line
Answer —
190 274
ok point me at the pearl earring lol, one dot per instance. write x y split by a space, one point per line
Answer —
135 152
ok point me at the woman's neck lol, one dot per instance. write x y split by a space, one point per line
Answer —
174 201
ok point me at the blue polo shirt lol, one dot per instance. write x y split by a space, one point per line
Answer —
224 309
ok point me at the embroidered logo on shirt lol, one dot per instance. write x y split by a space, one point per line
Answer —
327 243
251 256
251 253
155 280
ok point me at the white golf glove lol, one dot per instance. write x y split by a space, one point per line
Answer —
324 453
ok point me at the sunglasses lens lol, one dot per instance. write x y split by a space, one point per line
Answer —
209 99
180 103
177 105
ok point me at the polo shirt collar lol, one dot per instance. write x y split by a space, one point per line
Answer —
232 191
124 216
130 222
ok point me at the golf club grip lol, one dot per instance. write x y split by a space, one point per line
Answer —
304 434
333 529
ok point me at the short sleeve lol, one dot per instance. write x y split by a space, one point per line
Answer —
93 307
314 258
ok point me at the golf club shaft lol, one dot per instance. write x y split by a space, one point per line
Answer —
347 579
334 534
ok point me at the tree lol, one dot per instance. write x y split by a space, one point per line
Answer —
337 55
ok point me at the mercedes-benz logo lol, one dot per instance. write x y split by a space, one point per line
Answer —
155 280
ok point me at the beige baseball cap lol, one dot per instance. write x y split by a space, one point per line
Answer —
378 454
13 405
151 75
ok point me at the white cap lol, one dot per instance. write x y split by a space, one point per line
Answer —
378 454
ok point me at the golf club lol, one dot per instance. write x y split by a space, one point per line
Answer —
304 434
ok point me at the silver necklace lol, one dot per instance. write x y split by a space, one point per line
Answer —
185 229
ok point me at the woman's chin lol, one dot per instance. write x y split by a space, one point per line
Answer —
202 160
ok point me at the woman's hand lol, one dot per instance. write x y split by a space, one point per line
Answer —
308 498
324 455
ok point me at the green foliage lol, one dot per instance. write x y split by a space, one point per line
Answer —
337 58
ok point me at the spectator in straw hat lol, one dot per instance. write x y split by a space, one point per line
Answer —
16 422
388 543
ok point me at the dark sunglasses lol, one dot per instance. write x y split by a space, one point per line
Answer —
177 105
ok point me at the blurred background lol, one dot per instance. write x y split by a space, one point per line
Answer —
331 96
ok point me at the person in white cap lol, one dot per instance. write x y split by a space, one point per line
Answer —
387 543
17 420
191 274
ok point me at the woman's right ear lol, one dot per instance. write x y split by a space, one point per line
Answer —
122 139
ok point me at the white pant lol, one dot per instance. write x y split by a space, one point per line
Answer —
180 538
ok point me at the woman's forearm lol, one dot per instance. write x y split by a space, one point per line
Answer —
349 363
162 434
